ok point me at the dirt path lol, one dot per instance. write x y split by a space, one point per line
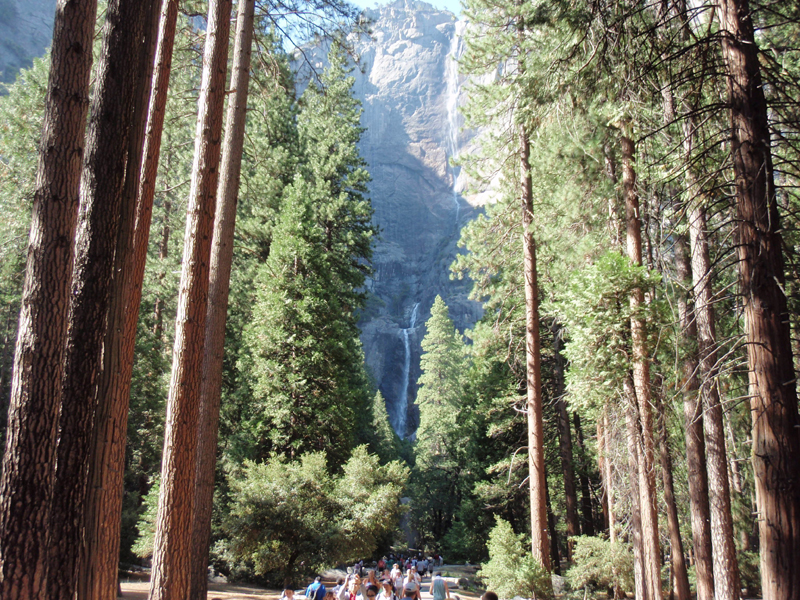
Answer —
138 590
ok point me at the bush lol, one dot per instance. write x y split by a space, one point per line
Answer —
600 564
512 570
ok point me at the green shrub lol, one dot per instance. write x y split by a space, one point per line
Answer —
512 570
600 564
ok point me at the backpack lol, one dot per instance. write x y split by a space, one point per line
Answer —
317 591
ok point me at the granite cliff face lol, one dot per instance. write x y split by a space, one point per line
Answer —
410 89
26 28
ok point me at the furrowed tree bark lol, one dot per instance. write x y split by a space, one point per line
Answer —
219 287
98 580
641 380
565 443
695 438
172 547
539 540
28 475
726 566
678 562
102 182
773 393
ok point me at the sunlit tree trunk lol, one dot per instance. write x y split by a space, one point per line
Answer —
631 421
28 475
678 561
726 567
539 540
776 430
641 380
102 184
98 581
219 287
604 465
695 438
172 547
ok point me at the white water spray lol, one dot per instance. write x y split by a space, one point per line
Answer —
451 76
402 406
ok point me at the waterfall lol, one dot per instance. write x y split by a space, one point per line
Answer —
453 88
402 406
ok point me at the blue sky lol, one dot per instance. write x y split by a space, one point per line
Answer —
453 6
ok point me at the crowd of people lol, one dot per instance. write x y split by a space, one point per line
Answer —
402 582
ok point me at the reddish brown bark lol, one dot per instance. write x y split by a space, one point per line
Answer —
776 427
726 567
29 461
680 576
641 381
539 540
172 547
641 588
695 438
219 287
110 123
98 580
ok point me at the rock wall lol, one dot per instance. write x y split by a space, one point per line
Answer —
410 90
26 28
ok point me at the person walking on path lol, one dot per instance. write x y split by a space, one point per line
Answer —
397 578
352 589
316 591
439 589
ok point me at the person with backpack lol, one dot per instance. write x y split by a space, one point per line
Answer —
316 591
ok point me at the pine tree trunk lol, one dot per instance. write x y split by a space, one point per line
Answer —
565 443
695 439
776 426
219 287
726 568
641 381
172 547
98 581
604 464
539 539
642 590
678 562
26 486
587 522
103 179
736 483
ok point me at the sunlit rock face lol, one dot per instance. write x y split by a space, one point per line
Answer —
26 28
410 90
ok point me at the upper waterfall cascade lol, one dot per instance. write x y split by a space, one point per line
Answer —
410 90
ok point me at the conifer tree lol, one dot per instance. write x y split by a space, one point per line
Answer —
172 551
29 459
308 378
438 447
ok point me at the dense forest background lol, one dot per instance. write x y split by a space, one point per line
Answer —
629 395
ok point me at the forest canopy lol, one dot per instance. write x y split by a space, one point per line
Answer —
626 406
